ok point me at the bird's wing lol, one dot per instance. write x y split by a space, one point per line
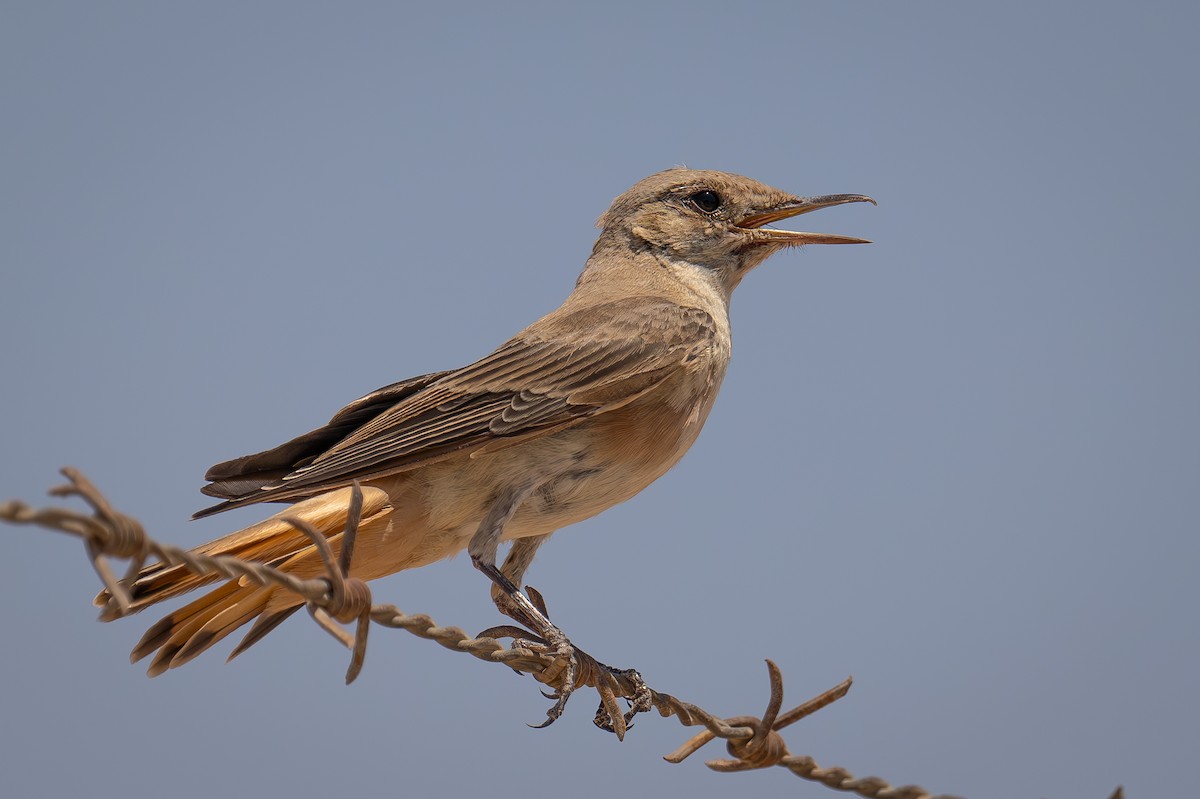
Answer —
571 365
236 478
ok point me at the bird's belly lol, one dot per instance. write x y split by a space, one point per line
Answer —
581 471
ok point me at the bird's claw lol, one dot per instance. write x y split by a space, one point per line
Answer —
608 712
572 666
565 653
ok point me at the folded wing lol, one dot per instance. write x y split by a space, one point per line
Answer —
535 384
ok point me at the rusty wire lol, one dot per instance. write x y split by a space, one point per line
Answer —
753 742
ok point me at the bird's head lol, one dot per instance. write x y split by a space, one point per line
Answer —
713 220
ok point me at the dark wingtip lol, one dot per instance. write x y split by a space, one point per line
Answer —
213 509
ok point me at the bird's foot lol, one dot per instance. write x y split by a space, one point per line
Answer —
568 660
539 634
573 667
608 715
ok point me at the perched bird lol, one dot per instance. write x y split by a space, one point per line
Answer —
576 413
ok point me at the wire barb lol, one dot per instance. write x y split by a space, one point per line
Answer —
348 598
753 742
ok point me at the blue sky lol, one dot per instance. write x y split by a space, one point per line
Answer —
961 463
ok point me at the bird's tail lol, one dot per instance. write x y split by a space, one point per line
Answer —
185 633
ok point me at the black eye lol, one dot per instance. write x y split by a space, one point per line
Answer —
706 200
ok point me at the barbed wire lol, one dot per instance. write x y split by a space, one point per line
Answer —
753 742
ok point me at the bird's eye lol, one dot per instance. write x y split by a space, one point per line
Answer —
706 200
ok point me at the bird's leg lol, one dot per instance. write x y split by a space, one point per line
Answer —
483 548
512 602
520 556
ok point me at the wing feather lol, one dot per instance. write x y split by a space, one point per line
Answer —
557 373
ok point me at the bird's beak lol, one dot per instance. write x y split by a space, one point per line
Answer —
796 207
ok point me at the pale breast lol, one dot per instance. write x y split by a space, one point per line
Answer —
617 454
584 469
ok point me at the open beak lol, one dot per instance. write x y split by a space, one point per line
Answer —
796 207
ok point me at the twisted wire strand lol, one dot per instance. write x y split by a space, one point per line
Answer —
754 742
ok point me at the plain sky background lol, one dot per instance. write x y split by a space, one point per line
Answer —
961 464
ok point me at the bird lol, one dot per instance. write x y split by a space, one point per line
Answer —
578 412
